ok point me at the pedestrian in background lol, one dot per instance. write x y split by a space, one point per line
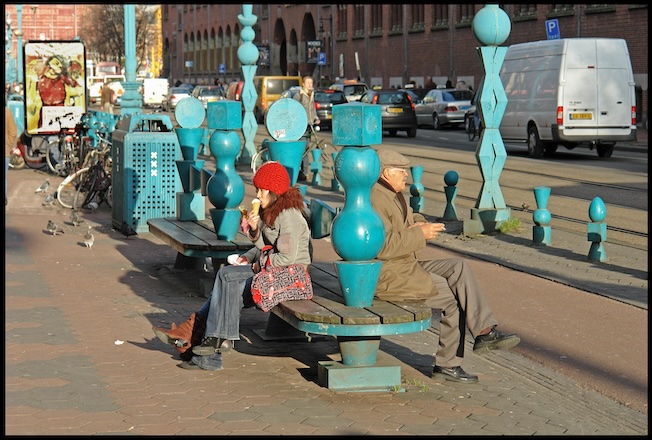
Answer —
108 96
306 97
404 277
11 133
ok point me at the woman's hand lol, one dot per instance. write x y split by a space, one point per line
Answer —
252 222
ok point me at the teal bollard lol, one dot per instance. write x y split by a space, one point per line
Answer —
597 230
541 231
416 189
450 179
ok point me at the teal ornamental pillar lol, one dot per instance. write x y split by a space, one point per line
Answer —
491 27
248 56
450 179
286 121
541 231
225 188
132 100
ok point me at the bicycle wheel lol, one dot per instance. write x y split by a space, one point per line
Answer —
258 159
53 156
68 188
85 190
470 127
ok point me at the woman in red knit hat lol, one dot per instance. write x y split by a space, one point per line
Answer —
281 223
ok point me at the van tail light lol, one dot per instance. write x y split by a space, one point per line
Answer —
317 105
560 115
374 100
633 115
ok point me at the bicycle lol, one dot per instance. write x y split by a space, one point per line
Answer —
70 189
327 155
473 130
63 152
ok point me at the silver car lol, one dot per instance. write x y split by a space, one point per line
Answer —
443 107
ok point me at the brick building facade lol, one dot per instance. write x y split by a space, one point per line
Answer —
394 43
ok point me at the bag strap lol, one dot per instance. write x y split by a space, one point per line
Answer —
264 252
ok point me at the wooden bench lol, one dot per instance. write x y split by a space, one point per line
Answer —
358 331
195 241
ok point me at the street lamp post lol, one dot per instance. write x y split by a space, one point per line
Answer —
34 8
19 52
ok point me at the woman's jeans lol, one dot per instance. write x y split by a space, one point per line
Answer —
231 292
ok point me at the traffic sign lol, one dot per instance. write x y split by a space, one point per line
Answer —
552 29
222 68
321 59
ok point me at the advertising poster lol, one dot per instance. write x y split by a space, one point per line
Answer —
55 85
313 47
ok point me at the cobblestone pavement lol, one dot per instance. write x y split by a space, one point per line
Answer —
81 359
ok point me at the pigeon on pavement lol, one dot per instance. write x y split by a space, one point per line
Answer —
44 186
74 218
49 200
54 228
89 239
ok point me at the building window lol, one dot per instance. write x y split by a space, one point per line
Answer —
358 21
439 16
342 22
526 10
376 19
465 14
418 21
396 18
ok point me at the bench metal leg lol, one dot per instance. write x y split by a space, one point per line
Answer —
184 262
359 369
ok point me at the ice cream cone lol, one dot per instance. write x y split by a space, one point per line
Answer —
255 205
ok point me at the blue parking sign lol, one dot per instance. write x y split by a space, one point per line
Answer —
321 59
552 29
222 68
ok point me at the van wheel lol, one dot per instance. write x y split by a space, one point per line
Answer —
605 150
534 144
392 132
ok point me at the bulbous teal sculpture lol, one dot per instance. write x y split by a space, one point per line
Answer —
358 232
225 189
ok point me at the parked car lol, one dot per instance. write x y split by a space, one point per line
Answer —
353 90
289 93
443 107
234 91
397 112
416 93
174 95
208 94
325 99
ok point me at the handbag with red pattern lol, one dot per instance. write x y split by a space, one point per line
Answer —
273 285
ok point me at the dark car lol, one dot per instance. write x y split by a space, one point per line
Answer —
325 99
416 93
397 112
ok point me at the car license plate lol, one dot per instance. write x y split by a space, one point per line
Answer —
329 116
394 110
575 116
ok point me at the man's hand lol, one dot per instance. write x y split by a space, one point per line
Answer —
430 230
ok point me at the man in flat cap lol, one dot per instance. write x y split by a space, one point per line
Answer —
404 277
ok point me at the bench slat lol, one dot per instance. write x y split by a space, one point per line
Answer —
306 310
173 235
350 315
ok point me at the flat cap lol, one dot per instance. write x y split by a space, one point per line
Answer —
392 159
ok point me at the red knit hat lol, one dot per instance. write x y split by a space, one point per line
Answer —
272 176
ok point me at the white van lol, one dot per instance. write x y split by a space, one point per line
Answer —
569 92
154 91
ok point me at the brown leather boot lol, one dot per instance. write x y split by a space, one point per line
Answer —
184 336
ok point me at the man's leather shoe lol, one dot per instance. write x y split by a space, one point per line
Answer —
494 340
455 374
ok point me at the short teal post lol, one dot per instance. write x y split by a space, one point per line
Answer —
316 167
450 179
416 189
491 26
597 230
248 56
225 189
541 231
